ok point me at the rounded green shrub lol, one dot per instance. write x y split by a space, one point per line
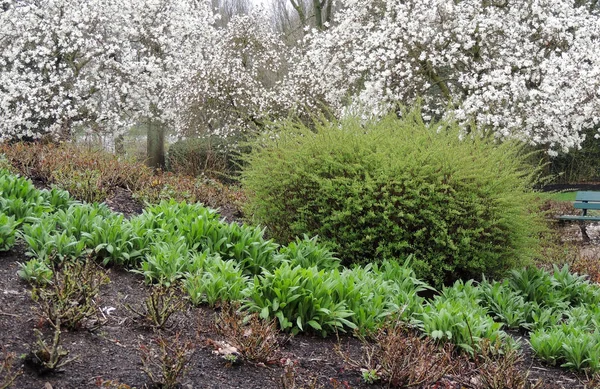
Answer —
394 187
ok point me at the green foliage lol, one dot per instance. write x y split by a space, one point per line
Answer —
35 271
8 226
114 241
166 263
306 252
45 242
457 317
570 346
20 199
215 281
300 298
375 294
504 303
395 187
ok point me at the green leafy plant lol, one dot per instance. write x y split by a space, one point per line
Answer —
166 263
46 242
35 271
215 280
390 187
8 227
113 241
504 303
370 376
306 252
300 299
457 317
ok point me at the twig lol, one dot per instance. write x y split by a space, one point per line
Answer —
8 314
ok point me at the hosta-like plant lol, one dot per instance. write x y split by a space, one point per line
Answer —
217 281
44 241
113 241
306 252
576 288
456 316
165 263
8 226
35 271
300 299
504 303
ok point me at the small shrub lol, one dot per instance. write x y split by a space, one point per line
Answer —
48 358
167 362
253 337
86 185
8 372
501 370
207 156
400 358
159 306
395 187
71 298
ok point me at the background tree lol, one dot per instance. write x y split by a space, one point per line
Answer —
515 69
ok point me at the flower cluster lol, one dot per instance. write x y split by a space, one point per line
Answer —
525 69
519 69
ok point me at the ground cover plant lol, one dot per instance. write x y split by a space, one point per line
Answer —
390 188
301 286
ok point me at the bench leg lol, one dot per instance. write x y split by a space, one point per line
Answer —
584 235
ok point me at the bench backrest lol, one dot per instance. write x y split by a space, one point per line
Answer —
587 200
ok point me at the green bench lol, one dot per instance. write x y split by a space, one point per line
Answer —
584 200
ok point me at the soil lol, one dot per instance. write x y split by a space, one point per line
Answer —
112 352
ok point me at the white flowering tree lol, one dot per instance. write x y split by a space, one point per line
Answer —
238 88
167 41
525 69
98 65
59 68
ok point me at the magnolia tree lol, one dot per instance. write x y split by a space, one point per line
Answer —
97 65
525 69
59 67
239 87
166 42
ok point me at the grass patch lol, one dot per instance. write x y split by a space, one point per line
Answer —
562 196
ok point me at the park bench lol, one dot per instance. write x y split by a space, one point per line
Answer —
584 200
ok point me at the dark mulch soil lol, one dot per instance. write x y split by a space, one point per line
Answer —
113 351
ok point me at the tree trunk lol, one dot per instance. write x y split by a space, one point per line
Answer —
155 145
318 14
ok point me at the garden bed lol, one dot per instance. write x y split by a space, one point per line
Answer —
112 353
